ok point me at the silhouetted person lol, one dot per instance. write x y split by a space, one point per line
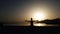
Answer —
31 22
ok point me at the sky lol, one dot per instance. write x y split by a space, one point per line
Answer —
20 10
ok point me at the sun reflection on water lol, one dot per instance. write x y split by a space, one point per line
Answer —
40 24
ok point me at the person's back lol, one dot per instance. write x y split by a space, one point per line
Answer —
31 23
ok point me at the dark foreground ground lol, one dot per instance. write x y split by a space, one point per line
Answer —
29 30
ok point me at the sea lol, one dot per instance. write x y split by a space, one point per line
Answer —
28 24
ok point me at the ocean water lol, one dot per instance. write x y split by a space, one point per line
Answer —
28 24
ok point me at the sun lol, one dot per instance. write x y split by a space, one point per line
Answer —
39 16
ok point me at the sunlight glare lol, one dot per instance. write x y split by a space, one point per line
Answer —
39 24
39 16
